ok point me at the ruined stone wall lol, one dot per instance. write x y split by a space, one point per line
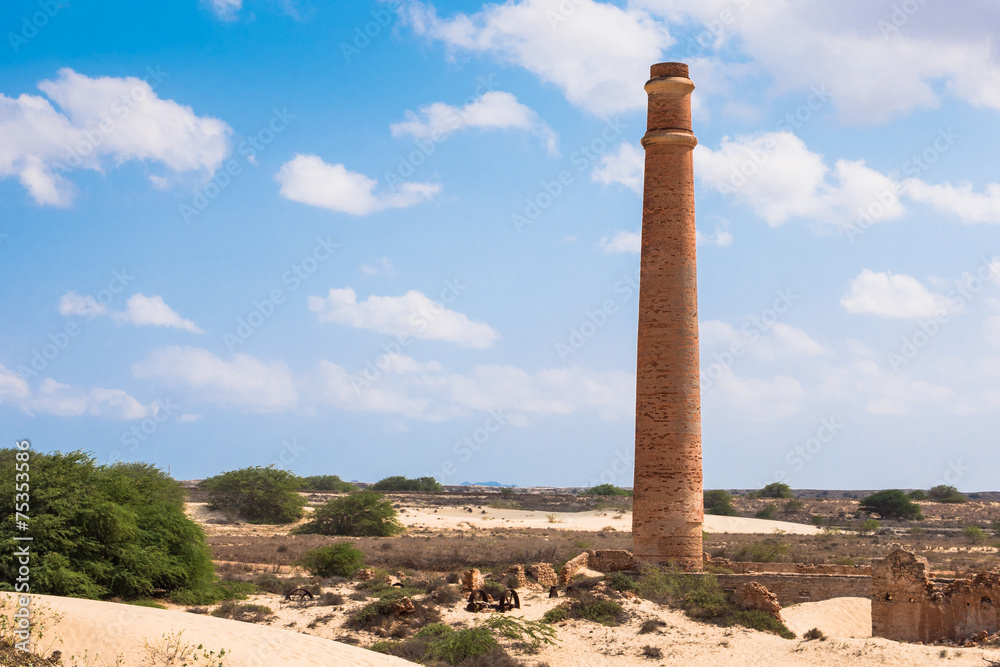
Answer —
740 567
794 588
610 560
909 606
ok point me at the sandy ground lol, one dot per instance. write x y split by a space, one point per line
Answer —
487 517
838 618
107 630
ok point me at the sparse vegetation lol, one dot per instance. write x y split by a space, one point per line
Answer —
622 582
606 490
398 483
943 493
587 607
362 513
765 512
249 613
890 504
719 502
815 633
326 483
776 490
975 535
869 526
256 495
336 560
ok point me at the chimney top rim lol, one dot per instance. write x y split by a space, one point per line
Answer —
672 69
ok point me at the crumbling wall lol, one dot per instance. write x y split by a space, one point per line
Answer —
610 560
908 606
741 567
793 588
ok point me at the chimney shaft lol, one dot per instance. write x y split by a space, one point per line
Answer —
668 508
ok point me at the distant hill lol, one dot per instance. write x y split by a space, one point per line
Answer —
509 486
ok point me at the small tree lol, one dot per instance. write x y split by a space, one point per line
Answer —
606 490
766 512
335 560
869 526
776 490
399 483
975 535
917 494
360 514
719 502
257 495
326 483
943 493
891 504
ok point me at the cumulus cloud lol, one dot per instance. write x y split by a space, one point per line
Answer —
62 400
226 9
772 342
100 120
760 399
494 110
881 393
776 175
413 313
893 295
719 237
309 180
140 310
429 391
624 166
958 200
241 381
596 53
623 242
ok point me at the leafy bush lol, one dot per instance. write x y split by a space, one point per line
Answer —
869 526
256 495
943 493
622 582
605 612
335 560
606 490
360 514
102 531
917 494
765 512
975 535
765 551
891 504
719 502
399 483
793 505
326 483
776 490
249 613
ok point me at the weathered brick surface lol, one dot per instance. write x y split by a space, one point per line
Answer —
667 509
610 560
909 606
754 596
739 567
544 574
516 574
793 588
571 567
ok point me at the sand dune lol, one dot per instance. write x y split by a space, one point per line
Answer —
837 618
107 630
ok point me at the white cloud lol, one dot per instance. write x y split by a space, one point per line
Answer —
762 400
623 166
151 310
781 179
882 393
719 237
72 303
775 342
623 242
494 110
596 53
309 180
428 391
413 313
958 200
381 267
796 340
893 295
242 382
120 119
62 400
140 310
226 9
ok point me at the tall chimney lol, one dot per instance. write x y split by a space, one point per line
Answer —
668 506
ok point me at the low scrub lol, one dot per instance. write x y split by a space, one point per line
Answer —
360 514
336 560
381 613
250 613
701 598
590 608
477 646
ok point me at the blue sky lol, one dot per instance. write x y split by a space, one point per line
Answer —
402 237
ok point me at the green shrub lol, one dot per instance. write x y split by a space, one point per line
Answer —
816 520
776 490
793 505
719 502
622 582
606 490
326 483
216 592
975 535
605 612
248 613
256 495
335 560
102 531
765 551
869 526
943 493
360 514
917 494
891 504
398 483
766 512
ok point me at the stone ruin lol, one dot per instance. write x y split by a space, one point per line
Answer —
907 605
